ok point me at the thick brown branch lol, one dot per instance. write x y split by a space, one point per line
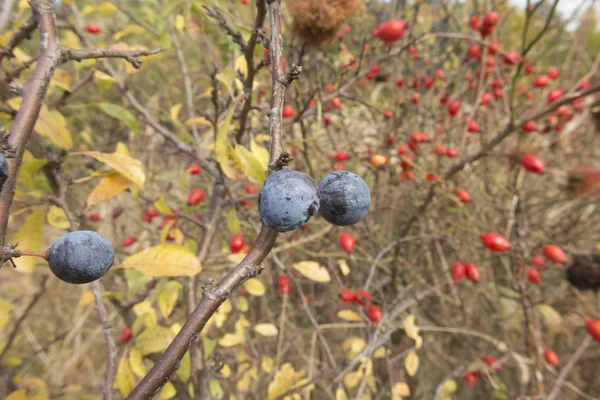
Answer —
19 35
33 97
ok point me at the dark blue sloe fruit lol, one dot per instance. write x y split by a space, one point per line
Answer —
287 200
3 170
345 198
81 257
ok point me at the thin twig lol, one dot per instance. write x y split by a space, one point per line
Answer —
111 347
569 366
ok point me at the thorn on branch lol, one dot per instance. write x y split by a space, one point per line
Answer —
292 75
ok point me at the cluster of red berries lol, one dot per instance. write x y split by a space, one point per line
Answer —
362 298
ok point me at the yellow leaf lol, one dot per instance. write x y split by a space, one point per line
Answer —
349 315
61 79
226 371
174 112
448 387
250 165
313 271
267 364
164 260
57 218
50 124
185 369
87 297
11 361
340 394
263 137
215 389
242 304
21 56
352 379
167 392
30 238
197 121
233 223
225 154
380 352
411 363
129 167
400 390
244 383
103 81
109 186
124 380
154 340
240 65
107 8
166 230
255 287
136 362
121 148
353 345
266 329
5 312
412 331
167 299
131 29
285 379
179 22
261 154
343 266
236 338
18 395
550 317
161 206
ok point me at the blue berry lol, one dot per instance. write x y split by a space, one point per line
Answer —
81 257
345 198
287 200
3 170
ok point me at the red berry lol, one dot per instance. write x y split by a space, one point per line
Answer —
128 241
463 196
541 81
474 51
491 18
554 253
117 211
94 217
284 289
593 328
450 152
342 155
193 169
388 114
362 297
283 280
348 296
236 243
375 69
288 111
470 378
250 189
400 82
347 241
533 163
554 95
454 107
93 29
491 361
457 271
391 30
551 357
495 241
196 196
472 272
529 127
538 261
375 314
553 73
533 275
126 335
475 22
486 98
511 57
472 126
335 102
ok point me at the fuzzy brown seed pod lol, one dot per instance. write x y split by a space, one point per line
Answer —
317 22
584 273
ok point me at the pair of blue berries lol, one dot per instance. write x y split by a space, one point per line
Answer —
289 198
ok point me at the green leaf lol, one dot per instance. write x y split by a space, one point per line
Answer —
154 340
251 166
119 113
